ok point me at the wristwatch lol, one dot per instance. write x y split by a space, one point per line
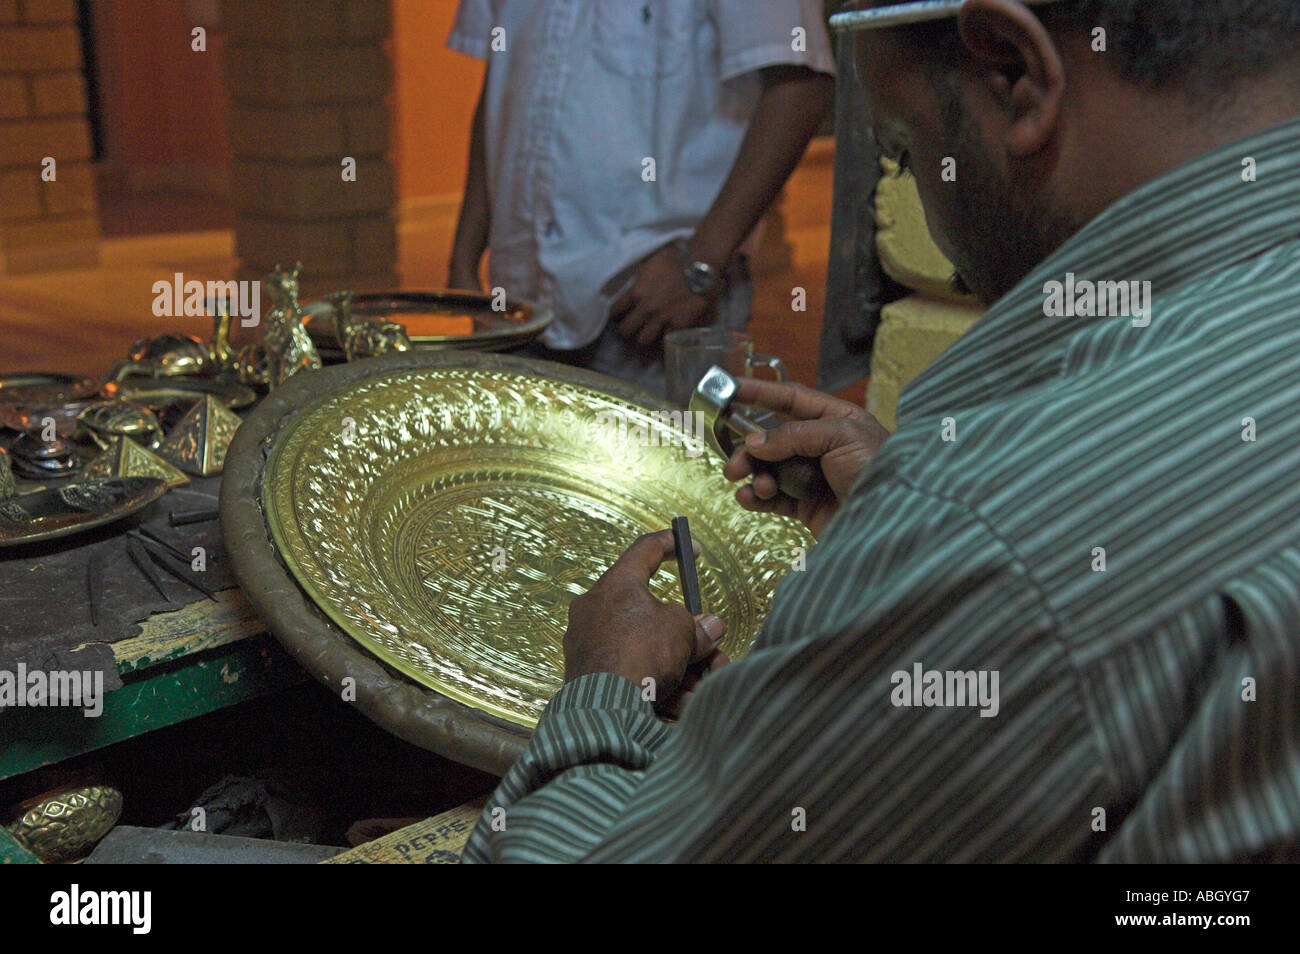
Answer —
701 277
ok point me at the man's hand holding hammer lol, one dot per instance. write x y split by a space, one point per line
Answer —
841 436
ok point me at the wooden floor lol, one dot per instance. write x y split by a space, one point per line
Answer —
78 321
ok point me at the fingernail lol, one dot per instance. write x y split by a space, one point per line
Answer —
712 627
755 440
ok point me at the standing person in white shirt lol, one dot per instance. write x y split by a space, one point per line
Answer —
622 152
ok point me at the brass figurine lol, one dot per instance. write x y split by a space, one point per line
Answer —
360 338
247 363
285 342
219 348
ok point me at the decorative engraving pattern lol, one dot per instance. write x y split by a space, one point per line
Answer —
125 458
445 517
64 825
199 441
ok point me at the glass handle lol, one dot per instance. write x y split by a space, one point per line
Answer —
773 364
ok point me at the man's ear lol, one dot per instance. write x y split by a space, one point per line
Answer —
1006 37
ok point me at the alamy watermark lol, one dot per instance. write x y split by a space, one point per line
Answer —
946 688
38 688
663 428
195 299
133 909
1083 298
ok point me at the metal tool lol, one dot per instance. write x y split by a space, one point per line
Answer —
686 570
140 557
145 535
95 585
725 427
175 567
179 518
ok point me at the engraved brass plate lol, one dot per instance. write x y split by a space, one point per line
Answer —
445 517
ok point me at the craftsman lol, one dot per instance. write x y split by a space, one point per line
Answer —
1113 526
621 154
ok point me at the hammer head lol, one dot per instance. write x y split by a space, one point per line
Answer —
710 403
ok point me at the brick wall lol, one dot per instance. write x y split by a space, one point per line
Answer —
51 221
308 81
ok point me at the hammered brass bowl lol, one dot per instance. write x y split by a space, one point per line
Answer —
444 517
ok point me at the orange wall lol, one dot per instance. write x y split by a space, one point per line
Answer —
434 93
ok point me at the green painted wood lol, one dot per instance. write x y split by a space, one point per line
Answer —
153 698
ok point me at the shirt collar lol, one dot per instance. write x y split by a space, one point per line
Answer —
1195 219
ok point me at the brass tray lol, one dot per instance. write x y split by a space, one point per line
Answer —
41 389
441 319
73 508
443 517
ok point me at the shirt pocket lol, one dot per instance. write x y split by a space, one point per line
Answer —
644 39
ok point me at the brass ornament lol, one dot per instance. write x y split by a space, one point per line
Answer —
219 348
125 458
163 356
198 443
105 420
445 517
64 825
360 338
285 343
38 459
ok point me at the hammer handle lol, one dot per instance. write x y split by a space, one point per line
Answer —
797 477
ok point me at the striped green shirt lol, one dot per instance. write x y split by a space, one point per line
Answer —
1101 513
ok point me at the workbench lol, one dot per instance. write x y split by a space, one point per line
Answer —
186 663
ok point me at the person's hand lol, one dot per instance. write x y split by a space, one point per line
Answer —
841 436
618 626
659 301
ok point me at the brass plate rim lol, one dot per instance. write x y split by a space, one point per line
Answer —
367 305
147 391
